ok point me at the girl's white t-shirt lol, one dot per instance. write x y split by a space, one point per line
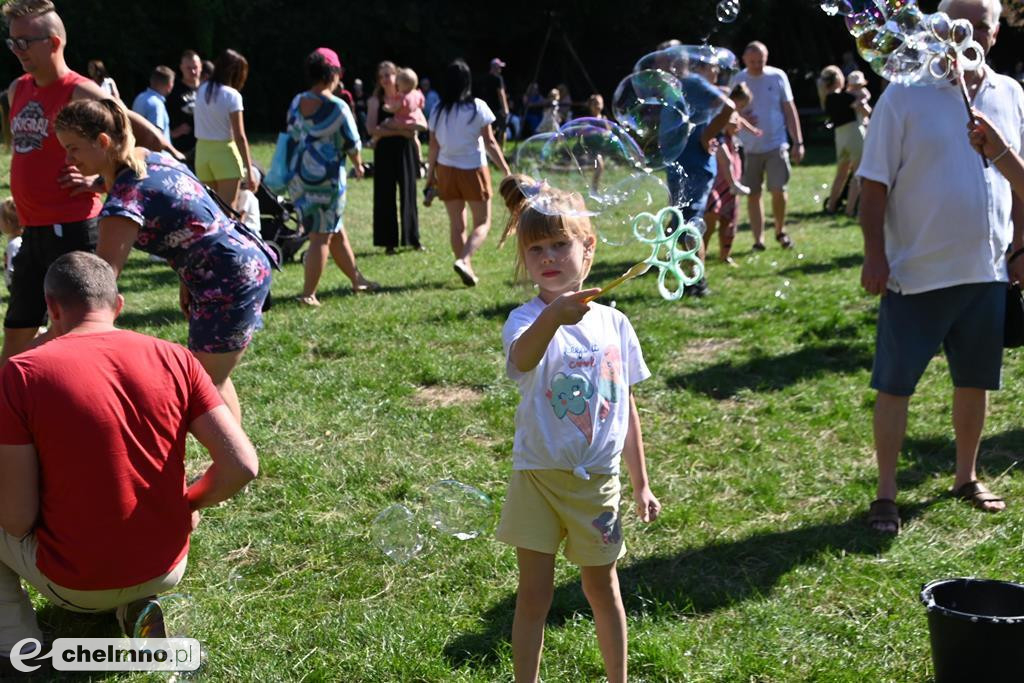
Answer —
458 133
573 411
212 119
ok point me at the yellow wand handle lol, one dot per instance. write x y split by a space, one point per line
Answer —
637 270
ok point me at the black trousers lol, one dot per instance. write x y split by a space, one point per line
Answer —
394 166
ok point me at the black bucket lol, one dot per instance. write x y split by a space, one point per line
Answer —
977 629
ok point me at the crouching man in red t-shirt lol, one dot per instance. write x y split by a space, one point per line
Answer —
94 509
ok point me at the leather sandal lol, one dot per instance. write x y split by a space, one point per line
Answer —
884 516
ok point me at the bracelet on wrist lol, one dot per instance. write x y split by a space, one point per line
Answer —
1006 150
1015 255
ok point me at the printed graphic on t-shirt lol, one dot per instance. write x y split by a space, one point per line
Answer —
609 526
570 397
29 128
609 384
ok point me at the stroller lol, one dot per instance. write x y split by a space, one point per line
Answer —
280 225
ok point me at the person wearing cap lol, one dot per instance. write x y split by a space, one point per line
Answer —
492 91
324 131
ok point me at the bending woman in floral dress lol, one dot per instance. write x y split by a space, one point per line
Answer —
156 204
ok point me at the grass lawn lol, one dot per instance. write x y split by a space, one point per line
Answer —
758 429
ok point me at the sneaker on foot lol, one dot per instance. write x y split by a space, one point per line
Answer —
740 189
469 278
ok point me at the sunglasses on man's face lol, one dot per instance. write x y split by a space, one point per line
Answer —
21 44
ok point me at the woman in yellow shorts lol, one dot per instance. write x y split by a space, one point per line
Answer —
223 160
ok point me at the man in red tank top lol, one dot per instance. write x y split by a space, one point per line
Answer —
56 204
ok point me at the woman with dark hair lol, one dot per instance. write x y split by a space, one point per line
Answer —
394 166
156 204
323 132
461 139
98 73
223 160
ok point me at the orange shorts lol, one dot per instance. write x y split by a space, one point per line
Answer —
471 185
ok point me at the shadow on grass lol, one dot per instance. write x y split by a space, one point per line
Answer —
923 458
695 581
144 276
773 373
837 263
346 289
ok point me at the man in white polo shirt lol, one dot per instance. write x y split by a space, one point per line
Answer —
774 112
937 226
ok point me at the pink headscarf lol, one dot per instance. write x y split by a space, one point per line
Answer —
329 55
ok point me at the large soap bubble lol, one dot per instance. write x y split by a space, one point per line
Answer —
459 510
695 67
396 532
590 168
650 105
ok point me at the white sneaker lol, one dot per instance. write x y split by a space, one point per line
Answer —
740 189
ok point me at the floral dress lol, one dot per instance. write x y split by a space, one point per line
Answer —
225 268
321 141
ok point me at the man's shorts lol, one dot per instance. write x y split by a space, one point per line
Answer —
218 160
774 164
967 320
41 245
545 506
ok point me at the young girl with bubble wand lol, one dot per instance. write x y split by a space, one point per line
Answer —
575 364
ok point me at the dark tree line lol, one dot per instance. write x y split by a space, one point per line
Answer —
132 36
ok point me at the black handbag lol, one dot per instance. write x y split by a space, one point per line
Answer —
1013 331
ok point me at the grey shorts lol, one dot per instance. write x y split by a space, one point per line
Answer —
966 320
774 164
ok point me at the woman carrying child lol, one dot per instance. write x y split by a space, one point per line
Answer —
461 139
156 204
322 126
395 167
575 364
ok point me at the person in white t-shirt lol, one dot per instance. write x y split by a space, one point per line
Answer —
461 139
937 225
575 363
767 156
223 159
12 230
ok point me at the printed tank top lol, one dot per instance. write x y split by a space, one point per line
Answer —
37 157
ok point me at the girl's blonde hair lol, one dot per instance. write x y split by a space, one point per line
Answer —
9 217
89 118
831 79
530 225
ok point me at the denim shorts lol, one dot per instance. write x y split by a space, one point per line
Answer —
966 320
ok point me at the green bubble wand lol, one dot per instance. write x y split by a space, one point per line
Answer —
663 232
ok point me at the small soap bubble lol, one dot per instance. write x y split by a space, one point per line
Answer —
775 264
728 11
785 283
167 616
779 294
614 304
396 532
459 510
235 579
799 257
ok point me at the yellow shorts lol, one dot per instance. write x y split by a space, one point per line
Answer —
218 160
545 506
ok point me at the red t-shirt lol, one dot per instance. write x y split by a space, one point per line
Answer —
38 158
108 413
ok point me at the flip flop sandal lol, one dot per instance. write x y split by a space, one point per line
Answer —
977 494
784 239
884 512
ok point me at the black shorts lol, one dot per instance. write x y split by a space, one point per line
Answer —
41 245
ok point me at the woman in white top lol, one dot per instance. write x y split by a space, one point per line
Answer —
223 160
98 73
461 138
